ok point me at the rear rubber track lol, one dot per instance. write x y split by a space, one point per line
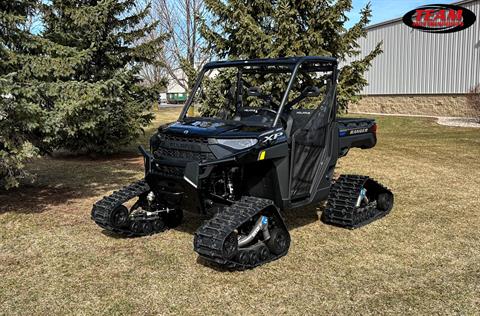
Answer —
209 239
341 209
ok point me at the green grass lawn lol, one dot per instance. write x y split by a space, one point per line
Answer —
423 258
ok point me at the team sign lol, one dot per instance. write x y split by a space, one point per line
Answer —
440 18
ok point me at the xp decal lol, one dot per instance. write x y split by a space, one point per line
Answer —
272 137
439 18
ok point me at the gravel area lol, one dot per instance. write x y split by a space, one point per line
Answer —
442 120
459 121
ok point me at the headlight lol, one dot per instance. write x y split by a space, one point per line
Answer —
241 143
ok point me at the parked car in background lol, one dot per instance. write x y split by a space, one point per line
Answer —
176 98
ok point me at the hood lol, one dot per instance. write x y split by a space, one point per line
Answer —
214 128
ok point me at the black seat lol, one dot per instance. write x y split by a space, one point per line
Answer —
297 118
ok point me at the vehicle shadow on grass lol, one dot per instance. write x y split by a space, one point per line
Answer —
294 219
303 216
30 200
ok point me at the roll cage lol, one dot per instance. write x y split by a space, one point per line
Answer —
289 64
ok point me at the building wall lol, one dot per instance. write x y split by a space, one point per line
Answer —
421 64
418 104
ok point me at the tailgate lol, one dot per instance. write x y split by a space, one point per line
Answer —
356 133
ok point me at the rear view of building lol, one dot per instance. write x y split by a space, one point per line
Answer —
420 72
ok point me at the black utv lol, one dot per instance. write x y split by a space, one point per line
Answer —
254 138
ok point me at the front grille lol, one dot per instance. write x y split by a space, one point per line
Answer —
180 138
169 171
183 154
179 147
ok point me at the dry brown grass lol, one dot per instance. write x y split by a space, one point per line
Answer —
423 258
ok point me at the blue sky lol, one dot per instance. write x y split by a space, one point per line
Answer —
383 10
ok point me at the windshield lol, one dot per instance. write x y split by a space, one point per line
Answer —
253 94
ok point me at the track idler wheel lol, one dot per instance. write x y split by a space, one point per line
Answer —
136 227
279 241
385 201
147 227
243 257
230 247
263 252
119 217
253 257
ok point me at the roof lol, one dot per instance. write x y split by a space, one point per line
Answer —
400 18
288 61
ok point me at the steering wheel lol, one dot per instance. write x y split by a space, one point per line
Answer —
270 111
283 116
267 98
275 106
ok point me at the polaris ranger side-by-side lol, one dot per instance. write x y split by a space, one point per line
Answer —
254 138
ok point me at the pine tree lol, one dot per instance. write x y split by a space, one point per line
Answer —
20 116
88 81
279 28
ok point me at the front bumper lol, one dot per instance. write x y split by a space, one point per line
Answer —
183 178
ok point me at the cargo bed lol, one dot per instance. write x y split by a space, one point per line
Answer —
356 133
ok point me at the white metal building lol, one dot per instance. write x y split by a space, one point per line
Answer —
420 72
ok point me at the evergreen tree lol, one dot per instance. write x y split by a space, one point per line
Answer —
281 28
88 79
20 117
